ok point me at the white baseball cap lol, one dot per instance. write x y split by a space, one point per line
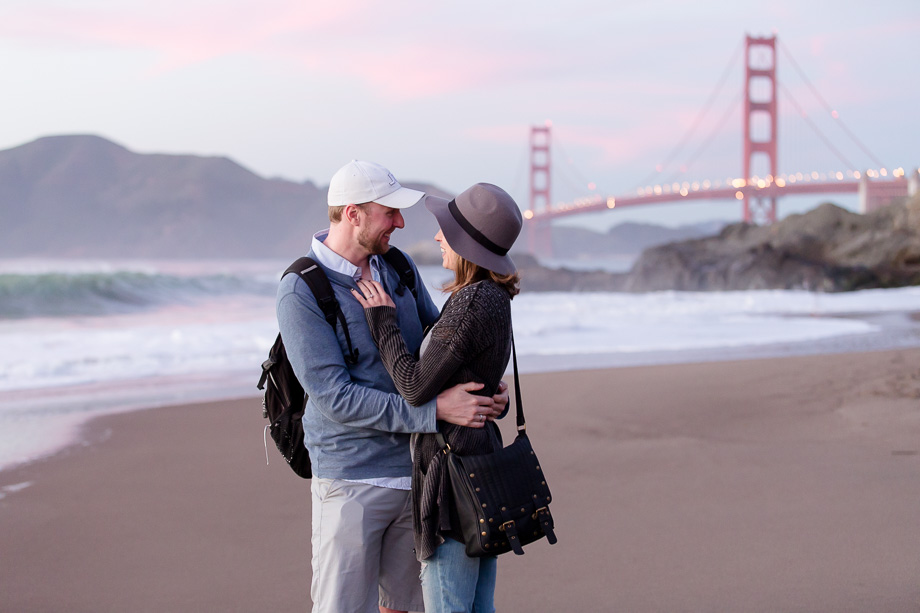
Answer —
358 182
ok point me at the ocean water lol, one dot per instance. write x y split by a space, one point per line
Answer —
80 339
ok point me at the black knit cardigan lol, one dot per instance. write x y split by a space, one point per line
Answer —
470 342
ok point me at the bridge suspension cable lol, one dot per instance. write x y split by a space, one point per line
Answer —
569 167
730 110
699 118
834 114
814 127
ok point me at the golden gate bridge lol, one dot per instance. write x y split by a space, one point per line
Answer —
757 194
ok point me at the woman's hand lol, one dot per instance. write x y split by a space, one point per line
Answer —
372 295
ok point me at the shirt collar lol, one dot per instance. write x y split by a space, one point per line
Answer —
333 261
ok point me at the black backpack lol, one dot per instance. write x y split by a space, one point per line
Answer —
284 399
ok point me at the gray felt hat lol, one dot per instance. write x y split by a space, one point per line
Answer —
480 224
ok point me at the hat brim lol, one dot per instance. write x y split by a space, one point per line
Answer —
464 244
402 198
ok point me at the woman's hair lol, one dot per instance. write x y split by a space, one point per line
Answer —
467 273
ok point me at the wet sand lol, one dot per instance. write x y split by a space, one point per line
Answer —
788 484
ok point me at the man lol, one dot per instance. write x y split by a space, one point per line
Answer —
356 426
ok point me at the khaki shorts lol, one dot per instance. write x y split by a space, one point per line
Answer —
363 549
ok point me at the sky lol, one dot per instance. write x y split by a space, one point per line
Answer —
446 93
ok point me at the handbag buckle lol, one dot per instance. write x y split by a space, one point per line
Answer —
507 524
540 510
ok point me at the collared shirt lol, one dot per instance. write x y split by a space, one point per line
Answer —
332 260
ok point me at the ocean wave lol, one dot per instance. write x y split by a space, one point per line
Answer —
107 293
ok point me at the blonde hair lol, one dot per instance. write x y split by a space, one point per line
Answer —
467 273
336 212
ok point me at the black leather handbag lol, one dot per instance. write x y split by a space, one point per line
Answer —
501 498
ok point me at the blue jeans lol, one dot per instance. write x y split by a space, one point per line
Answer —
453 582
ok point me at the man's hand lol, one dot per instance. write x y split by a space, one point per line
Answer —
458 406
500 400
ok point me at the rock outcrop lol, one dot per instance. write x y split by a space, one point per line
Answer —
827 249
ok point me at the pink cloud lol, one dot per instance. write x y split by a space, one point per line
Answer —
341 38
180 33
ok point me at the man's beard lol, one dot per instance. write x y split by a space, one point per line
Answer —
374 246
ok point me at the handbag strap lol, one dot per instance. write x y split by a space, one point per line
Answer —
521 426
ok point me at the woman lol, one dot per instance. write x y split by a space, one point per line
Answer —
471 341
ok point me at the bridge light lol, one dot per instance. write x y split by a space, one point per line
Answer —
611 202
883 172
814 174
696 186
707 184
898 172
684 191
739 196
657 190
761 184
835 115
528 214
736 183
839 176
857 174
780 182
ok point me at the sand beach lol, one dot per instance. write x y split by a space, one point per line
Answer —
783 484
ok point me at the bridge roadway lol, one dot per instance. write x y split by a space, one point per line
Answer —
599 203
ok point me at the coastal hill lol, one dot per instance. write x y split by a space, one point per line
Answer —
85 196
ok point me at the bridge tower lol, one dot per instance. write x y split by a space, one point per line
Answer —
539 233
760 110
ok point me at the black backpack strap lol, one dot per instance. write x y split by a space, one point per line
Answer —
312 274
398 260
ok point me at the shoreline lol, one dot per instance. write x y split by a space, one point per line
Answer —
751 485
896 330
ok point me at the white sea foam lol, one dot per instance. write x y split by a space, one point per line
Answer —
208 343
12 489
